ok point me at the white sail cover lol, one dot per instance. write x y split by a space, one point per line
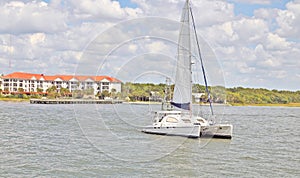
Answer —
183 82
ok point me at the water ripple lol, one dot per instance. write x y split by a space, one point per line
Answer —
47 141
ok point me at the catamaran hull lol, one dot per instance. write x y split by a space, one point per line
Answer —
190 131
223 131
217 131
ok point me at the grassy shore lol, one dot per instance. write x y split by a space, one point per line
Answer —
229 104
14 99
269 104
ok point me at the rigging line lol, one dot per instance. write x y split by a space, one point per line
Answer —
202 66
10 52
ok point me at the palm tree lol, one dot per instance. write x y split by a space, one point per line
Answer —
52 92
113 91
64 91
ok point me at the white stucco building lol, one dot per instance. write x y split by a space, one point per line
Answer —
27 82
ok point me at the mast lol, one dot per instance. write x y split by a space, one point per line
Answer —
202 66
188 6
167 96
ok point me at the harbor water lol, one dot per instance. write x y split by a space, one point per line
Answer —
104 140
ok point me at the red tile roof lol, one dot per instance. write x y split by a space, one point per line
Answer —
29 76
21 75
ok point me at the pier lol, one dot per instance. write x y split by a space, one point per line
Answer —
74 101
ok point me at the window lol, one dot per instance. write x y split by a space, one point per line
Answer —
186 120
172 120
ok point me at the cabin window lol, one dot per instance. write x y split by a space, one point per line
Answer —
200 120
172 120
186 120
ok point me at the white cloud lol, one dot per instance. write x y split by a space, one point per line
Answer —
18 17
275 42
132 48
289 20
206 12
266 14
244 68
37 38
101 10
54 36
250 30
156 47
7 49
279 74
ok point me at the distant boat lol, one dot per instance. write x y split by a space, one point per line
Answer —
175 117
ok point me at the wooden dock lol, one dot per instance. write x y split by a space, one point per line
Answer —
74 101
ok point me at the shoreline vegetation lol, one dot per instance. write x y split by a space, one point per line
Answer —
270 104
148 93
152 102
14 99
228 104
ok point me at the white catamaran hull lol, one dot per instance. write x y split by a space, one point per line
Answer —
217 131
197 131
185 131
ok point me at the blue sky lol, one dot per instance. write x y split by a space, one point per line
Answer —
248 8
127 3
123 3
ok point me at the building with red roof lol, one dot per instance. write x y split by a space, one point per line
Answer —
28 82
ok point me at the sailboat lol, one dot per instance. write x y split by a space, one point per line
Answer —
176 117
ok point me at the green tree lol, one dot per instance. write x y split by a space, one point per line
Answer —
104 94
64 92
39 90
113 92
20 89
52 92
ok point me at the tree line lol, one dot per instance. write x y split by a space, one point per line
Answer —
156 92
218 94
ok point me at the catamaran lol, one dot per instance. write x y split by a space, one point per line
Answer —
176 117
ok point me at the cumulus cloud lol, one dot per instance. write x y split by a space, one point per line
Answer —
37 38
275 42
56 36
289 20
250 30
101 10
18 17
